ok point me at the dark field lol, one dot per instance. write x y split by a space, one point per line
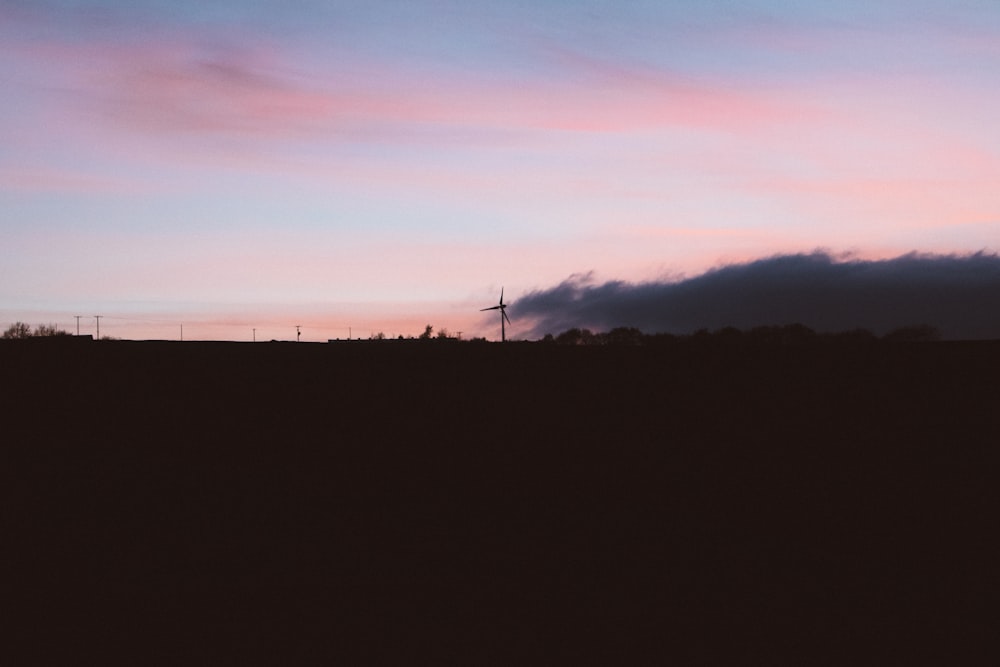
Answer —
413 502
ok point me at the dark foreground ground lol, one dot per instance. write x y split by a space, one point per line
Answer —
200 503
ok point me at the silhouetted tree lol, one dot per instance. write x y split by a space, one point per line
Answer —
798 333
568 337
660 339
575 336
701 336
18 330
624 336
920 333
852 336
428 332
729 335
442 333
790 334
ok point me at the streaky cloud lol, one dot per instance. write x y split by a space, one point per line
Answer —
958 294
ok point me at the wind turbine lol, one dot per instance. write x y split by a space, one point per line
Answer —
503 316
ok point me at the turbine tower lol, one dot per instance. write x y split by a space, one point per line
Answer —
503 316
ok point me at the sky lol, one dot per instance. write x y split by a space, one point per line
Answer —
239 168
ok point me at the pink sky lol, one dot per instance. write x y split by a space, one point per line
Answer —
343 165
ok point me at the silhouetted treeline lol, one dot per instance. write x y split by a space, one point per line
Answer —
20 330
790 334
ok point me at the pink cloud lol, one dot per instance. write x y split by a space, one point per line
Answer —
171 84
51 180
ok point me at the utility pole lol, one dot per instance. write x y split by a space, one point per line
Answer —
255 335
182 333
298 333
77 324
98 318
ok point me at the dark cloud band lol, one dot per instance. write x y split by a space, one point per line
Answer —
960 295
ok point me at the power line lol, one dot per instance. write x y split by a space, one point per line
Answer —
223 328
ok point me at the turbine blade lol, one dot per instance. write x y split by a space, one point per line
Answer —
490 308
501 296
504 312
